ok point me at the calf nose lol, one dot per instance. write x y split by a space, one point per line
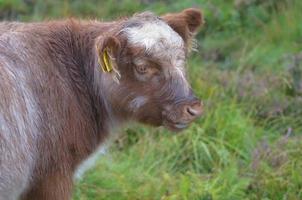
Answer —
193 110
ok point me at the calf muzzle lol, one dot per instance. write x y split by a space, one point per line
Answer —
178 116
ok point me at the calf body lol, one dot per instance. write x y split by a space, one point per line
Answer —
57 106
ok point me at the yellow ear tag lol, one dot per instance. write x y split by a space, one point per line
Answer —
107 67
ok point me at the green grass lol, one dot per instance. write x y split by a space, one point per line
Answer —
248 71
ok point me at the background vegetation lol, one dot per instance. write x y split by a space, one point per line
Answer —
248 70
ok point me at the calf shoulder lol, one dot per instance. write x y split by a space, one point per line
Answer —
50 117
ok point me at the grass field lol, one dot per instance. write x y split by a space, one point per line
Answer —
248 71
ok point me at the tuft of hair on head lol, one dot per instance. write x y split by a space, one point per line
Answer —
150 31
139 19
145 16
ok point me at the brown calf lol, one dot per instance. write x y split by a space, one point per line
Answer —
65 84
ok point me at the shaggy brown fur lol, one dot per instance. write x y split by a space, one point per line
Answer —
57 106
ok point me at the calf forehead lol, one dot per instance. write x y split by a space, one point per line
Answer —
158 40
150 33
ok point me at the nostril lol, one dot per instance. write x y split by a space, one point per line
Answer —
191 111
194 110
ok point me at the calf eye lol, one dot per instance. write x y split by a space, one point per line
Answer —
141 69
145 72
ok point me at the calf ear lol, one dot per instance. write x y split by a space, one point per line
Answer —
185 23
108 50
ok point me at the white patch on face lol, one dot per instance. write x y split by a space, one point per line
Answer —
151 33
137 102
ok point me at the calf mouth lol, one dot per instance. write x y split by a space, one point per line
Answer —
179 119
175 126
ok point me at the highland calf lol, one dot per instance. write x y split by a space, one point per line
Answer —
65 84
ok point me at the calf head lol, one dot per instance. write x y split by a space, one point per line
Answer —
147 56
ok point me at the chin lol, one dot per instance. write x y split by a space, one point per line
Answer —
175 127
